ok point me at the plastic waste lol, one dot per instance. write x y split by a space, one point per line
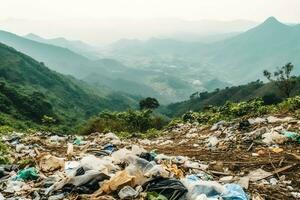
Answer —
273 138
277 149
57 197
78 180
127 192
149 156
78 141
197 187
143 169
162 157
111 136
120 179
272 119
234 192
244 182
273 181
291 135
296 195
217 125
179 159
137 150
155 196
119 155
20 147
27 174
56 138
244 125
49 163
87 188
226 179
195 165
102 165
15 186
109 148
213 141
255 134
70 150
258 174
1 196
172 189
257 120
174 171
70 166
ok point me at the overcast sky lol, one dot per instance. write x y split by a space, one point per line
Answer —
106 10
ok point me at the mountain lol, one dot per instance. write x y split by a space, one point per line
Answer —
74 45
105 72
59 59
269 92
30 90
105 31
266 46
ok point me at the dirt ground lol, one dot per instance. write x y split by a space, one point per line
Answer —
238 159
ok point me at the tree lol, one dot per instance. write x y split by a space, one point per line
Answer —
149 103
282 79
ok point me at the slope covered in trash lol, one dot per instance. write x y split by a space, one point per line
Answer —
256 158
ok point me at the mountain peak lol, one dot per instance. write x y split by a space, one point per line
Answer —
32 35
271 21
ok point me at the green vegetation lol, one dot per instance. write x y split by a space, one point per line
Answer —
283 79
125 123
4 153
251 108
268 92
33 96
149 103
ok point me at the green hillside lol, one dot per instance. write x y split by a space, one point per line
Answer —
199 101
102 72
29 90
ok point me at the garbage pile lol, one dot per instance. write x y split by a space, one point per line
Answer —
249 159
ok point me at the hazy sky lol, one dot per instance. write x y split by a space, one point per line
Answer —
185 9
61 13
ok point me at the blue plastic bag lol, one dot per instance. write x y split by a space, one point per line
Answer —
234 192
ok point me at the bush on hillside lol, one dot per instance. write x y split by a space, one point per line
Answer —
130 121
228 111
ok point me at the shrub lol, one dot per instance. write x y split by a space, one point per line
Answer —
6 129
228 111
130 121
291 104
4 156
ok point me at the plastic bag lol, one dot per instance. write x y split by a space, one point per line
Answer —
127 192
172 189
234 192
49 163
102 165
197 187
273 138
121 178
30 173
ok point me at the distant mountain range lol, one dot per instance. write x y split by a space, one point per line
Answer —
171 69
76 45
105 31
108 73
247 54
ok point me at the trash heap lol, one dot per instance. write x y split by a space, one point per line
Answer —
246 159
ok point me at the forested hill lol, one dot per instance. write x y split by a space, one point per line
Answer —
198 101
30 91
